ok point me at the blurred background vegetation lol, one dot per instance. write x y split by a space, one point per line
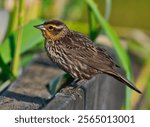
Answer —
123 25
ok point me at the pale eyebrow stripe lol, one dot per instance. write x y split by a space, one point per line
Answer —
58 27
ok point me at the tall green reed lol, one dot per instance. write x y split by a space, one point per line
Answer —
16 60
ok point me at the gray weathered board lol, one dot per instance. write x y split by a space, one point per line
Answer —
30 92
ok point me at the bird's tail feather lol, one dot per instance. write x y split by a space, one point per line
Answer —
123 80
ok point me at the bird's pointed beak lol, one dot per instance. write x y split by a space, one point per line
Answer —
41 27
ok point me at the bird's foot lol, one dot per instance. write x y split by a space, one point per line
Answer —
71 91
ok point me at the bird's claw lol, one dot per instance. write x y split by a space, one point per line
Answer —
71 91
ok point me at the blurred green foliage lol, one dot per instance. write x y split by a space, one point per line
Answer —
89 15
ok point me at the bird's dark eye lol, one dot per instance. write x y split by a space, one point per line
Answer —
50 27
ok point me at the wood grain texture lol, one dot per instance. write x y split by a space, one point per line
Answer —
29 91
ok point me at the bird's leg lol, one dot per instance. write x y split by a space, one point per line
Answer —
75 86
74 83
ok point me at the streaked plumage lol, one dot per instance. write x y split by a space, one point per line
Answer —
76 54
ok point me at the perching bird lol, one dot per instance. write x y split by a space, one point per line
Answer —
76 54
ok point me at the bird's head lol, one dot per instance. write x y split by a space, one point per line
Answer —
53 29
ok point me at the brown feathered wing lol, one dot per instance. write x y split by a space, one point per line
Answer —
96 58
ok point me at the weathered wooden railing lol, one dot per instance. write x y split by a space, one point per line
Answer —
30 92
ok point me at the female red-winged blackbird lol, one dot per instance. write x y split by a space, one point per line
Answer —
76 54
